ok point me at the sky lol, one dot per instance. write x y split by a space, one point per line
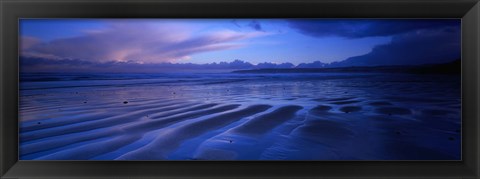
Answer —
203 41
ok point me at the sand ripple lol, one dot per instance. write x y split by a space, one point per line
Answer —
238 119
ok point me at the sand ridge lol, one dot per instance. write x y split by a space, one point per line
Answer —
257 117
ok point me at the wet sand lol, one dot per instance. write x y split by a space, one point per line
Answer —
243 117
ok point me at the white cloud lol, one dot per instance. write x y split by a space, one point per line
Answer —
139 41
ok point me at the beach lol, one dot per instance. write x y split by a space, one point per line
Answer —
229 116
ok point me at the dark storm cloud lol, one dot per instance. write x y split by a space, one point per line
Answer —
255 25
358 28
415 48
234 22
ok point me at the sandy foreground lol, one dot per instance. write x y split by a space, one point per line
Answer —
328 116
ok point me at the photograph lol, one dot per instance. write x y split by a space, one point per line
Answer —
279 89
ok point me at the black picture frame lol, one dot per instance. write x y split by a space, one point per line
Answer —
467 10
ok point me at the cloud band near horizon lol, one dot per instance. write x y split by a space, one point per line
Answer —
140 42
264 40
